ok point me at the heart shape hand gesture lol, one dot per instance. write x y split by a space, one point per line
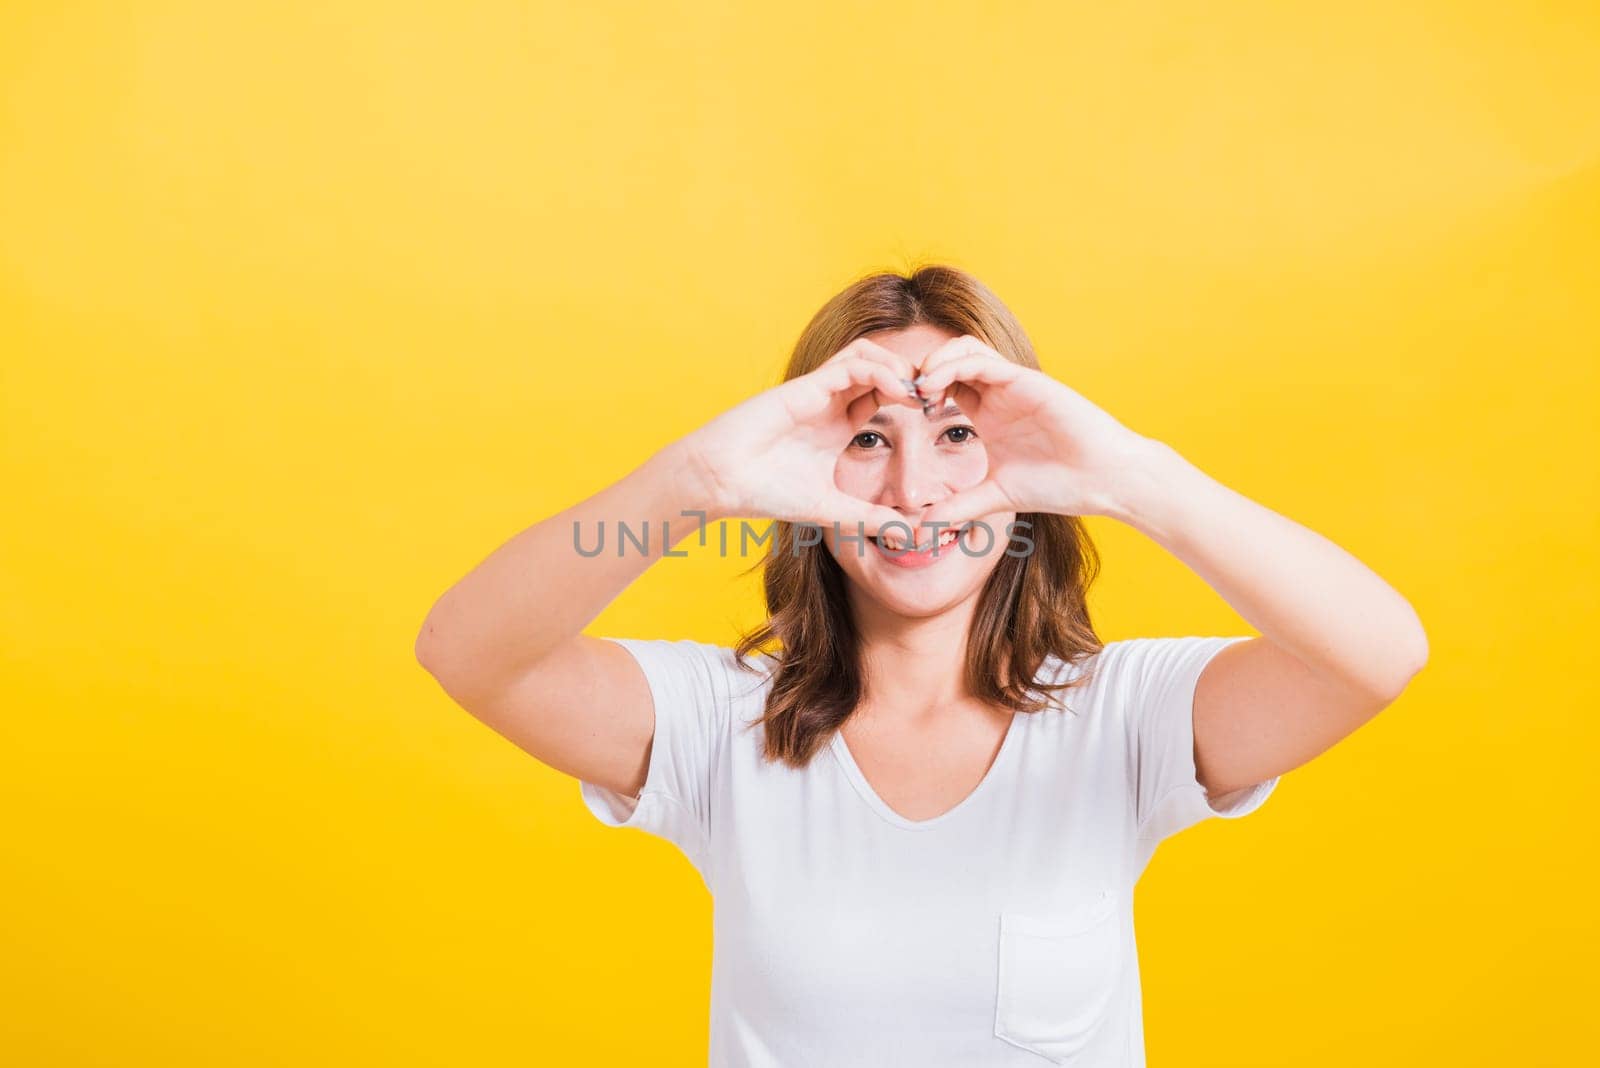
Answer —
1049 449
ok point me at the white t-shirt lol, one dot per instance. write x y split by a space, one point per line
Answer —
998 933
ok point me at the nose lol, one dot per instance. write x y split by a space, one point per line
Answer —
915 481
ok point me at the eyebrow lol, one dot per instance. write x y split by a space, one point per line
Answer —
880 419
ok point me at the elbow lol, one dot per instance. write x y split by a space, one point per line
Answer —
1421 660
1419 648
1415 662
426 647
423 654
1406 681
436 662
430 648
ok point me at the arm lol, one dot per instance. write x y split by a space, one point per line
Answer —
535 592
504 642
1338 643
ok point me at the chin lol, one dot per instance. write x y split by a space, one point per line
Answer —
920 593
914 607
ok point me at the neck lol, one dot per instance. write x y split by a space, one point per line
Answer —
915 668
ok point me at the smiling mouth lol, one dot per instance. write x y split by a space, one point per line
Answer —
895 543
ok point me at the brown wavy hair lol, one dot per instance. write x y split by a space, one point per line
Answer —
1032 605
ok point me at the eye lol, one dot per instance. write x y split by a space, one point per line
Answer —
970 434
864 434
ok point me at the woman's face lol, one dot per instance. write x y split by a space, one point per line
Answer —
907 461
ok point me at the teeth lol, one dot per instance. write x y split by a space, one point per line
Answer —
897 543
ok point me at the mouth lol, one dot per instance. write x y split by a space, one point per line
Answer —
893 548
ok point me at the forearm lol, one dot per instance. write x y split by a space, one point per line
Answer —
537 590
1300 590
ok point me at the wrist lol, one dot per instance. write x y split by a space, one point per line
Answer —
1149 488
693 485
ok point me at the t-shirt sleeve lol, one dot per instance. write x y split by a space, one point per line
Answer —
691 718
1157 677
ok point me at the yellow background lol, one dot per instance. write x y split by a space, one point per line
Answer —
307 307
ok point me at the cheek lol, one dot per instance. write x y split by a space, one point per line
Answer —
855 477
968 467
863 476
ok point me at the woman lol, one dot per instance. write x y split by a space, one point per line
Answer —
923 808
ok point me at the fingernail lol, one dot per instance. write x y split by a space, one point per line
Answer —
919 380
911 389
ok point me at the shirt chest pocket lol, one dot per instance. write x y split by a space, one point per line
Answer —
1058 975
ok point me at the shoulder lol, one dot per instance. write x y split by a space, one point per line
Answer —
1120 669
1144 678
1129 660
1068 685
714 673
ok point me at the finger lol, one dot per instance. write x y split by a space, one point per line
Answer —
857 517
866 349
854 378
983 499
861 409
932 403
955 348
966 399
970 368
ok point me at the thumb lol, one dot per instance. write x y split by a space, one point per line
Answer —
858 517
980 500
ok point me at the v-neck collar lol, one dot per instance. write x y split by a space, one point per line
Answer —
852 771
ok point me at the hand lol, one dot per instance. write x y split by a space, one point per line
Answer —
774 455
1049 448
